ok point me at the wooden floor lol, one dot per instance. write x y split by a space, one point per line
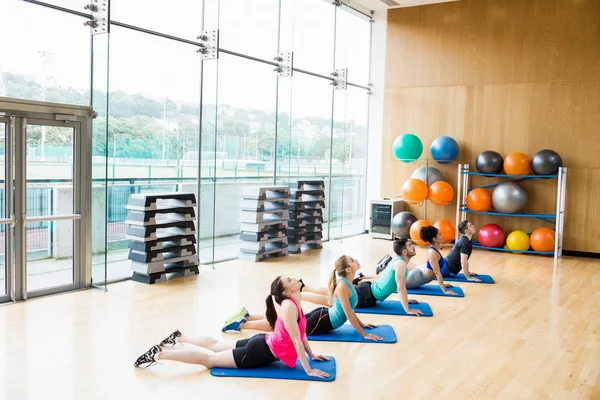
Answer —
534 334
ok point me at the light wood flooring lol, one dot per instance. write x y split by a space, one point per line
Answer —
532 335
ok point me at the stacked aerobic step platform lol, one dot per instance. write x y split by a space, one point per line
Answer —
264 220
161 236
305 230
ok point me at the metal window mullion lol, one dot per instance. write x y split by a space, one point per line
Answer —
20 204
9 211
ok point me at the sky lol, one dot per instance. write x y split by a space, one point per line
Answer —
53 43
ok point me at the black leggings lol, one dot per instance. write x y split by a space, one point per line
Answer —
253 352
318 322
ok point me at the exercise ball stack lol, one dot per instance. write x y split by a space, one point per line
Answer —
517 164
542 239
444 149
517 240
415 231
489 162
510 198
447 229
414 191
407 147
491 235
429 175
402 222
546 162
479 200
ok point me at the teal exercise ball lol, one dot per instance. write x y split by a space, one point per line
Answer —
407 147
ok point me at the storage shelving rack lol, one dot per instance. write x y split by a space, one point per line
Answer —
557 218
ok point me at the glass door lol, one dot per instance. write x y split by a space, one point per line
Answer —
43 240
47 205
6 220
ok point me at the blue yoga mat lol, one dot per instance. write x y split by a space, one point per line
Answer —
279 370
393 307
461 278
347 333
435 290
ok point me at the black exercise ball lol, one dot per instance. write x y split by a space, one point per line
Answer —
546 162
489 162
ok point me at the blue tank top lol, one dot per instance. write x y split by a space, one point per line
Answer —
337 316
442 263
386 285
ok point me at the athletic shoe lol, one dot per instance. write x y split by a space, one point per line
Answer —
233 325
172 339
243 313
383 263
149 358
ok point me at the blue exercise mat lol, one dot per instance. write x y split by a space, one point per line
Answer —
279 370
461 278
347 333
393 307
435 290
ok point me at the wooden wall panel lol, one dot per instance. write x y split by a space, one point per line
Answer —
503 75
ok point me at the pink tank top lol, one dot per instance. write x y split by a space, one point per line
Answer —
280 342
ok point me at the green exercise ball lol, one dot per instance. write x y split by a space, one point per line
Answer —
407 147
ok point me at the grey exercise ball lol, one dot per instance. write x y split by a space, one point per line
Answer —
402 222
546 162
510 198
432 175
489 162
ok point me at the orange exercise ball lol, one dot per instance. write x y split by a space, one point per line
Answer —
441 193
414 191
542 239
415 231
447 229
517 164
479 200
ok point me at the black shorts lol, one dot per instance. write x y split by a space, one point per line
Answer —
365 295
318 322
253 352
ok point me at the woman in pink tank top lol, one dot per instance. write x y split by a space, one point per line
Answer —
287 343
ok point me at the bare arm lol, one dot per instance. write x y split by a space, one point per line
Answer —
464 262
434 260
289 315
400 276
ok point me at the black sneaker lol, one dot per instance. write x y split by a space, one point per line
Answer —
149 358
172 339
383 263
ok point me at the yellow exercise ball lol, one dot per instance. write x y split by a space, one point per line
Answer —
517 240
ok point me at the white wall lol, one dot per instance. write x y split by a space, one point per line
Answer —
378 38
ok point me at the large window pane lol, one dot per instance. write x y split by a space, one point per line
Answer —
245 143
49 60
313 24
249 27
353 43
304 132
349 163
153 127
181 18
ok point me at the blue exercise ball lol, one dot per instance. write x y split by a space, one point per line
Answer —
444 149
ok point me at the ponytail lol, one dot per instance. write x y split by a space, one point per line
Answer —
340 268
277 293
332 285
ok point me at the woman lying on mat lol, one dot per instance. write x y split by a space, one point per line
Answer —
394 278
323 319
287 343
436 264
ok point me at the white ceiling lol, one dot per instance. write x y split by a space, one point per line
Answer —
381 4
